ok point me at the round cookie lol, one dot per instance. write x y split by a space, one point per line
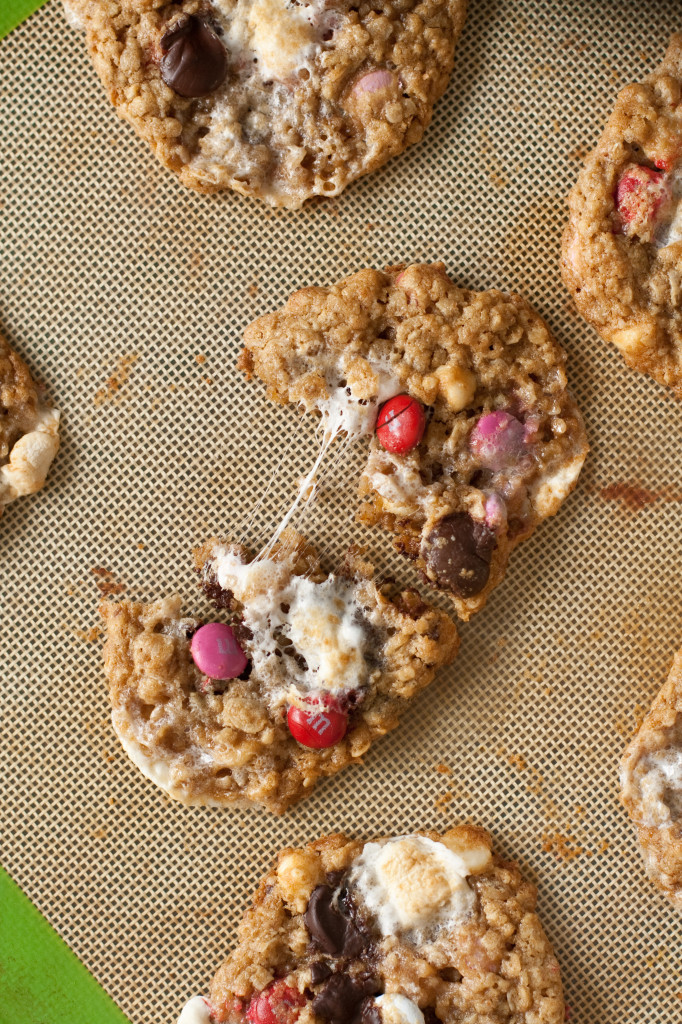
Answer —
29 436
622 247
651 786
333 662
416 929
274 99
503 442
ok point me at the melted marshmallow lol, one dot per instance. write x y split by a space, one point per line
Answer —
30 457
195 1011
413 884
324 621
661 785
280 36
397 1009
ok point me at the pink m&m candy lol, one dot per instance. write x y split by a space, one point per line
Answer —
217 653
497 440
321 727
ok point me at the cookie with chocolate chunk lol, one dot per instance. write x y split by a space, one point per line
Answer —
622 247
417 929
313 669
275 99
651 786
29 436
478 437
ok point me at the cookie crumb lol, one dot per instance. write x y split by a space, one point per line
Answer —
117 380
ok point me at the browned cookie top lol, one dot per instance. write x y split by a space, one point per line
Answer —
416 929
278 99
651 786
622 248
503 441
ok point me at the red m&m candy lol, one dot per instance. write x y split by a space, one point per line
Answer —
400 424
276 1004
216 652
322 726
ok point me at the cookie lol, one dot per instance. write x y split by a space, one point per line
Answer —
29 436
416 929
279 100
622 247
651 786
478 438
314 668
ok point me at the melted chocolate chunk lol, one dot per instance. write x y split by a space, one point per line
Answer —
457 553
332 926
430 1015
194 60
370 1012
341 999
320 971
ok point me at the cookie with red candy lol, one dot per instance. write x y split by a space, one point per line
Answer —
312 668
425 928
622 247
475 437
283 101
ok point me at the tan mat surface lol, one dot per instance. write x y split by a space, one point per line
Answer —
129 295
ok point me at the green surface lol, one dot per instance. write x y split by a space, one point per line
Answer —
13 12
41 981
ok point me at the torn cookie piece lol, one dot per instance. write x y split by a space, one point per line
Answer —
311 670
477 437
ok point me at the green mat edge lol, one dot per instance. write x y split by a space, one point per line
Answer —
13 12
41 980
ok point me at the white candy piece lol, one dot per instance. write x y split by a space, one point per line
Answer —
397 1009
30 458
196 1011
413 884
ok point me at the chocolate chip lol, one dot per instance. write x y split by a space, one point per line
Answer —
457 553
340 1000
430 1016
370 1013
319 972
330 923
194 60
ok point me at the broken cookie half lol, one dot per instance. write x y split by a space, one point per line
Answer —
313 668
651 786
29 429
414 929
476 437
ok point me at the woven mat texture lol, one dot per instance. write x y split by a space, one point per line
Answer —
128 294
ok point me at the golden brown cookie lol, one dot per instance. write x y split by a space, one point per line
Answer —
276 99
622 247
417 929
331 662
477 437
651 786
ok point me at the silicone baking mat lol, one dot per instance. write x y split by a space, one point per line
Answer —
128 295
